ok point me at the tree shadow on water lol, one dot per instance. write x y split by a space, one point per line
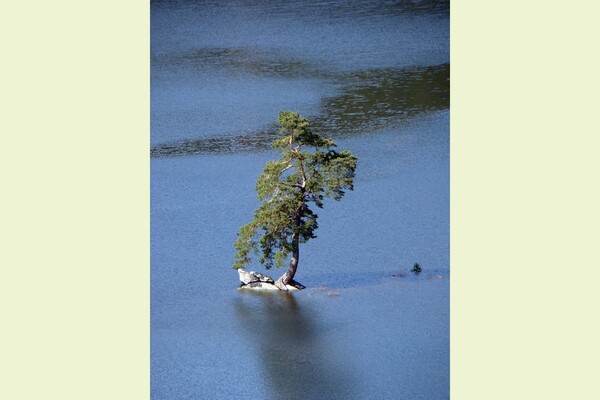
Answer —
287 338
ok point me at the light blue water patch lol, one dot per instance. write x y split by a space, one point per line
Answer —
185 108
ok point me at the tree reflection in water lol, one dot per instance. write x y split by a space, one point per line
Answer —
286 338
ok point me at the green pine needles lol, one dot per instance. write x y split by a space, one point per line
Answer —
309 171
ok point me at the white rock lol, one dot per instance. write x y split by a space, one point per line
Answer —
265 286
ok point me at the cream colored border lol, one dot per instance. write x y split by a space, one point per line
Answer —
75 200
524 200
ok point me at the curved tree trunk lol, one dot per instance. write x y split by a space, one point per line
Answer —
288 277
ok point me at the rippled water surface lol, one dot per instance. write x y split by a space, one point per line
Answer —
373 75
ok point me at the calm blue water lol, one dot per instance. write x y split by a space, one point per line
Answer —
374 75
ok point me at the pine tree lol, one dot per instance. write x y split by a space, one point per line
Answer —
309 171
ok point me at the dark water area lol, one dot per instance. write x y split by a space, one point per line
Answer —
373 75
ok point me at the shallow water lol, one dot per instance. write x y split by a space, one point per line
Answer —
375 77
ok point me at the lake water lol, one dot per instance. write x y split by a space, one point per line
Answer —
375 77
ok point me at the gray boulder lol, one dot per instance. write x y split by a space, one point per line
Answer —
252 276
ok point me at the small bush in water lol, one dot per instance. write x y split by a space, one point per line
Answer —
416 269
